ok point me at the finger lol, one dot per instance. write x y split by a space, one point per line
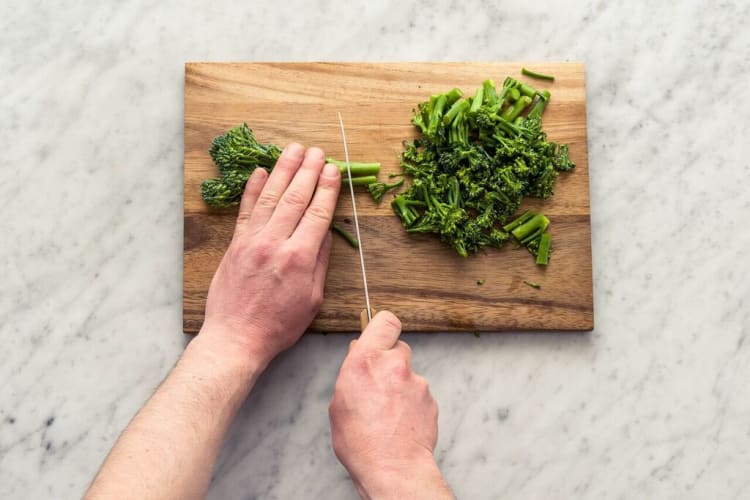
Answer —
321 265
286 166
352 344
252 190
381 333
316 221
404 350
297 196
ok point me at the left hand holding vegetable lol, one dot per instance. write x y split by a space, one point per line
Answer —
269 285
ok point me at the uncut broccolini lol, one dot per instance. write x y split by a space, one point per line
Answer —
237 153
476 160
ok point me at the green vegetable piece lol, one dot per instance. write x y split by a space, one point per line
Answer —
543 252
490 93
533 285
534 74
346 235
480 282
477 334
476 102
538 108
365 180
358 169
531 228
524 217
475 161
237 154
516 109
378 189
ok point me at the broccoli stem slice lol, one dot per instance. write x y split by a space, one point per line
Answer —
527 90
538 108
542 255
512 112
476 102
524 217
364 180
458 107
538 223
534 74
489 92
405 209
358 168
346 235
454 95
436 115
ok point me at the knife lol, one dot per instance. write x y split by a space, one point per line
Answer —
366 315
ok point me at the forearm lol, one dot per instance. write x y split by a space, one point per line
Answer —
169 448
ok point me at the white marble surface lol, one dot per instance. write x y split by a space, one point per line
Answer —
654 404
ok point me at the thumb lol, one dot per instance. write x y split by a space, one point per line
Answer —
381 333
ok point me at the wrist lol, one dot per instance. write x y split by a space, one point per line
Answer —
236 346
223 355
414 479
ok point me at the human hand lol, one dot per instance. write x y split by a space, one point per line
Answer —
269 285
384 419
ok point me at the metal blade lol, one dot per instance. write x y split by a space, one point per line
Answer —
356 219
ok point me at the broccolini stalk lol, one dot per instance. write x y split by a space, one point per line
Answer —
359 169
534 74
523 218
512 112
530 229
437 112
365 180
476 101
538 108
346 235
407 209
378 189
543 251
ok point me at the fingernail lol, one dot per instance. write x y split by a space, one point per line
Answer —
331 170
314 152
294 149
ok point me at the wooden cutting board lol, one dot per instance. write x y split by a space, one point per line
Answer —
423 281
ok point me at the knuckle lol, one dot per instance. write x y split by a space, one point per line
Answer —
400 368
267 199
261 251
291 258
294 198
318 213
421 383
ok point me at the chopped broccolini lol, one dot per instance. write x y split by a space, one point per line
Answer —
476 160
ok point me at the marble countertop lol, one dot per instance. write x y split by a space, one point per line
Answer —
653 404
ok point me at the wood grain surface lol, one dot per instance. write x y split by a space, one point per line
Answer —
423 281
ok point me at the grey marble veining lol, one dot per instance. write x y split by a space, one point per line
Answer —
653 404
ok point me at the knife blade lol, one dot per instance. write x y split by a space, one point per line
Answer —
368 309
